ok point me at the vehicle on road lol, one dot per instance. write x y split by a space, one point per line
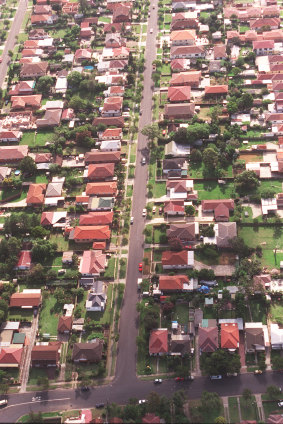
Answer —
143 161
179 379
191 378
280 403
132 219
158 381
140 267
141 401
151 30
85 389
144 213
154 209
216 377
257 372
0 59
3 403
232 374
153 6
36 398
99 405
160 211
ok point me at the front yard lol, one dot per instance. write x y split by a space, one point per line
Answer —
212 190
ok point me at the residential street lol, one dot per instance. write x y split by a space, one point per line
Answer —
10 42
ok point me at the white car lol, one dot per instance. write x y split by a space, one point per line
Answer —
132 219
154 209
158 381
141 401
151 30
143 161
280 404
144 213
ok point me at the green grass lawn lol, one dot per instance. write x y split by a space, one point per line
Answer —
18 193
59 33
249 409
158 232
129 190
159 189
271 408
258 311
123 268
272 236
276 312
271 184
181 313
202 257
212 190
104 19
233 410
49 316
42 137
20 314
109 272
63 244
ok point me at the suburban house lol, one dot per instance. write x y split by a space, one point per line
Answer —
224 232
229 336
65 324
184 37
90 233
93 263
175 167
208 337
96 156
180 345
27 299
276 336
219 52
112 106
111 134
35 196
10 357
24 262
100 172
51 118
187 52
100 203
96 300
53 219
179 189
87 352
121 14
10 136
179 111
4 172
101 189
179 65
176 283
179 94
34 70
178 260
13 153
186 78
257 339
96 218
174 207
220 208
216 90
158 342
46 355
264 47
185 234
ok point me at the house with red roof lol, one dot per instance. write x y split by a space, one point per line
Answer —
65 324
101 189
96 218
24 262
208 339
35 196
258 24
26 299
111 134
121 14
179 65
179 94
13 153
183 259
150 418
185 234
115 121
229 336
219 52
158 342
173 283
100 172
93 263
174 208
22 88
10 136
10 357
220 208
216 91
112 106
96 156
43 19
187 52
186 78
83 54
264 47
46 355
53 219
26 102
184 37
90 233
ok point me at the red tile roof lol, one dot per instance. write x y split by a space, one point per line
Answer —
179 94
24 259
102 157
96 218
175 258
46 353
208 339
13 153
101 171
150 418
185 78
158 341
229 336
65 323
216 89
208 205
18 300
174 206
92 232
174 282
101 189
35 194
10 356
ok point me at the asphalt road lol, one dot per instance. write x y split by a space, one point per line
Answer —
10 42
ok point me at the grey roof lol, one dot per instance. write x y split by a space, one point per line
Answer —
226 231
174 163
96 299
54 189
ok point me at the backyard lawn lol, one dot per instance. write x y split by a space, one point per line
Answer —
49 316
258 311
181 313
63 244
109 272
269 238
276 312
103 317
20 314
212 190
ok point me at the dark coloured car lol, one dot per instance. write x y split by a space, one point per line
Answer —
99 405
85 389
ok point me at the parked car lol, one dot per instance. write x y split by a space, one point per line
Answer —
158 381
160 211
85 389
280 403
232 374
132 219
99 405
216 377
257 372
144 213
141 401
151 30
154 209
179 379
140 267
3 403
143 161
